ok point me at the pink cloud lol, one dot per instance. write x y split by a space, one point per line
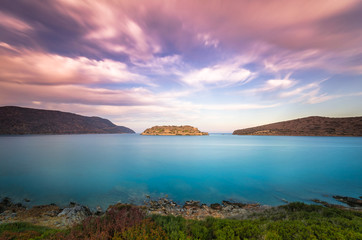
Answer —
217 76
113 40
113 26
29 66
25 93
13 23
273 85
146 30
295 28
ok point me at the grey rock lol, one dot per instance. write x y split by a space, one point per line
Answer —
216 206
99 210
192 204
75 214
233 204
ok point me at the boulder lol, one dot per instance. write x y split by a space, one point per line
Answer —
216 206
99 210
192 204
75 214
233 204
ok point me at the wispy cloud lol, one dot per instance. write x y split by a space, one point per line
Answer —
28 66
235 107
301 90
220 75
163 60
12 23
26 93
166 65
273 85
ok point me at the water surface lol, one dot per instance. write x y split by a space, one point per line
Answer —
105 169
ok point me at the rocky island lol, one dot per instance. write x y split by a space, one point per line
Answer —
309 126
19 120
173 131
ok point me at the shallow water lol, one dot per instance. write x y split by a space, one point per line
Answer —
105 169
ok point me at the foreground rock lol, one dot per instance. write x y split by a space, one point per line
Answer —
196 210
326 204
174 130
76 214
44 215
56 217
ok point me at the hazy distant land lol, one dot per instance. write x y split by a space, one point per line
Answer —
173 131
19 120
309 126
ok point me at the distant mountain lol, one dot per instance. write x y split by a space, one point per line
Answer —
174 130
309 126
19 120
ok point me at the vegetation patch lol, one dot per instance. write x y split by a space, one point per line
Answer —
292 221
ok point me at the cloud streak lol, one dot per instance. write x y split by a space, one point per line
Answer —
180 59
34 67
217 75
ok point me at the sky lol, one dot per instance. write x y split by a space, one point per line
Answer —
219 65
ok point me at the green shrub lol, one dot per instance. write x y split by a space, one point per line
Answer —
292 221
20 231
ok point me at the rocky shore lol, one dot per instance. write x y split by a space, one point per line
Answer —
63 217
196 210
49 215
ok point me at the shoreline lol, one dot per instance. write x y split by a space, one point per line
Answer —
58 217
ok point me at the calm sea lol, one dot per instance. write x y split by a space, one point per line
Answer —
105 169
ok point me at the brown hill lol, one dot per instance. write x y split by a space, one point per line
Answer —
309 126
174 130
18 120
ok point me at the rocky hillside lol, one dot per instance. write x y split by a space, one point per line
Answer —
174 130
309 126
18 120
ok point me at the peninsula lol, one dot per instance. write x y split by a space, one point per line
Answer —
173 131
19 120
309 126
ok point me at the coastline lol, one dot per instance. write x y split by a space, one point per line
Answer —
62 217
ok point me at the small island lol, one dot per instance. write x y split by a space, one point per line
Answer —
174 131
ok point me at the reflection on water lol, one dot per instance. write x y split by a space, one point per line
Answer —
104 169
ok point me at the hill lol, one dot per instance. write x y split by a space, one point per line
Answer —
309 126
174 130
19 120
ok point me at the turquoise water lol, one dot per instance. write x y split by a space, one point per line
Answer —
105 169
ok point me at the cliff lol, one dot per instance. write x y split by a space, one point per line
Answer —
174 130
309 126
18 120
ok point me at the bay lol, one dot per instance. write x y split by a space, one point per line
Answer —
97 169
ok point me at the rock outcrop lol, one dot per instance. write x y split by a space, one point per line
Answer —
49 215
75 214
18 120
350 201
173 131
310 126
196 210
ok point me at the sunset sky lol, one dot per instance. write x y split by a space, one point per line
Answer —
216 65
